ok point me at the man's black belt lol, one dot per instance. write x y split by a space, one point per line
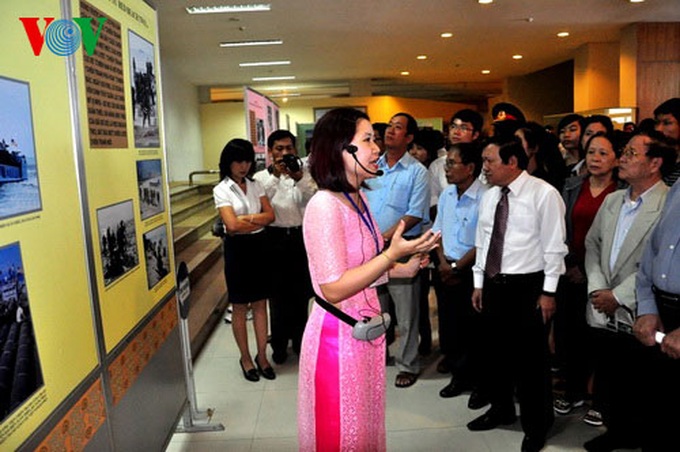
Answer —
515 278
662 295
286 231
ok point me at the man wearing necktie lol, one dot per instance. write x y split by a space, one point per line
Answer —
520 256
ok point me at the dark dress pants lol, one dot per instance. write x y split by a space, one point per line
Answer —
515 350
292 288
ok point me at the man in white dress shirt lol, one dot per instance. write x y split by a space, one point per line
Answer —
289 187
520 256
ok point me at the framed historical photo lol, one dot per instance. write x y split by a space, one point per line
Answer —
117 240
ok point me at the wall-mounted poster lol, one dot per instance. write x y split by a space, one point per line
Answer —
150 184
117 239
156 255
19 187
262 118
20 369
143 82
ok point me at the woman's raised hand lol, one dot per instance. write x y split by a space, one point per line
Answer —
400 247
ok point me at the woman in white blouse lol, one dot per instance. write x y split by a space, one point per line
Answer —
245 211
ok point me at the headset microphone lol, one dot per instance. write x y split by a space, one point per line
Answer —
353 151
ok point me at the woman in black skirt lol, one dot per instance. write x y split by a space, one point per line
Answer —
245 211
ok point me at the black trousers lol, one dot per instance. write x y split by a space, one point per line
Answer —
618 368
515 350
292 290
660 385
458 326
573 337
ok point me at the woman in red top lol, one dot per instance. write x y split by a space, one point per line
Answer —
583 196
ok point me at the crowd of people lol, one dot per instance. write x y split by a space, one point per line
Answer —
551 256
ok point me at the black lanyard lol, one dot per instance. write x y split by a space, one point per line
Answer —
365 218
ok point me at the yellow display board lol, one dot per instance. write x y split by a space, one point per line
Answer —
44 287
119 101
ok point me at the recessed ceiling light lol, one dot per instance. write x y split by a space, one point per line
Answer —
485 2
637 1
421 57
276 77
228 9
562 34
486 71
405 73
517 57
265 63
266 42
446 35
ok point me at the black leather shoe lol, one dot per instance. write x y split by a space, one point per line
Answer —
250 375
608 442
477 400
532 443
279 357
267 372
490 420
453 389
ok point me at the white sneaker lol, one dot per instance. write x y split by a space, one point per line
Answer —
563 406
227 317
593 417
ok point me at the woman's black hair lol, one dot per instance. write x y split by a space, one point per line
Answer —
332 134
236 150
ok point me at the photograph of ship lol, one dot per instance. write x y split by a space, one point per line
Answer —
19 187
156 254
150 185
118 240
144 105
20 370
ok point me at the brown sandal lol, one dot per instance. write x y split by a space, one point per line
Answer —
405 379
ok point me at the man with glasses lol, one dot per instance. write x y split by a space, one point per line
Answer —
614 247
465 127
457 213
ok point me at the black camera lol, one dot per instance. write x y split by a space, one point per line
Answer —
292 162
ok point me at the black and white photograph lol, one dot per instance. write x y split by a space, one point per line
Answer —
117 240
20 369
144 95
150 184
156 255
19 187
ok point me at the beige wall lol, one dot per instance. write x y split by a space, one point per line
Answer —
223 121
596 76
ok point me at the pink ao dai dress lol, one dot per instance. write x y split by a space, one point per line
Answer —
341 387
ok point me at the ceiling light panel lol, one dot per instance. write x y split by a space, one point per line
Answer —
266 42
265 63
218 9
277 77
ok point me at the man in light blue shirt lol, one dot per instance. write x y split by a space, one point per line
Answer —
402 193
457 213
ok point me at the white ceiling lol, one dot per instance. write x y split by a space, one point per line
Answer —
367 43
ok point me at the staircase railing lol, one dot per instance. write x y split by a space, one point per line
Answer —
200 172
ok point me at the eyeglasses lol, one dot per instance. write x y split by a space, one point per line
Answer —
629 152
451 163
460 127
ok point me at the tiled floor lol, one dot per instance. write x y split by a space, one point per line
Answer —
262 417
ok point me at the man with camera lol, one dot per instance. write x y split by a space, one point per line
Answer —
288 186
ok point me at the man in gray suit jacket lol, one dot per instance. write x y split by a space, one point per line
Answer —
614 248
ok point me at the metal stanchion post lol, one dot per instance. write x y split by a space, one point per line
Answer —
193 419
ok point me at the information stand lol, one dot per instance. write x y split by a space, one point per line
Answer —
193 419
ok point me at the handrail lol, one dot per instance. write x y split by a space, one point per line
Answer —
194 173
